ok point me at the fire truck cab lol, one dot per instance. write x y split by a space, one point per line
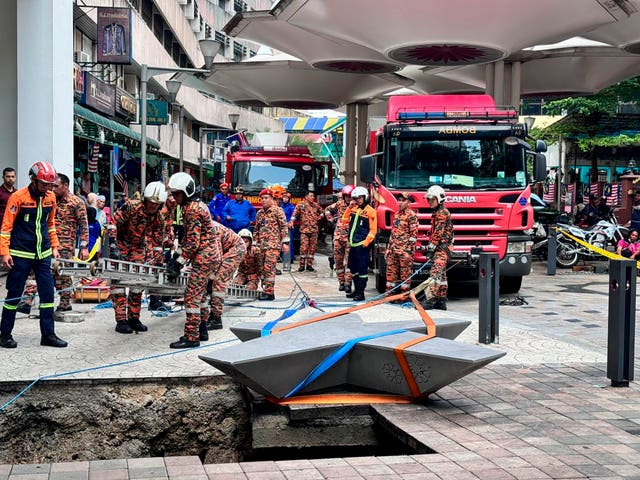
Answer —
479 154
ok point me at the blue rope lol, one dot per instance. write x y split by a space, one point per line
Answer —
101 367
335 357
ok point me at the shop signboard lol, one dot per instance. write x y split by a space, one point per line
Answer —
78 81
114 35
157 112
98 95
126 104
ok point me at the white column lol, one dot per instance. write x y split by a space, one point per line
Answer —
516 76
45 89
498 78
350 145
8 86
362 135
489 79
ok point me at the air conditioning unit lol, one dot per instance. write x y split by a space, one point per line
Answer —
151 96
120 82
81 57
220 143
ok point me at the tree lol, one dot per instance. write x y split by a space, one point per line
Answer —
584 117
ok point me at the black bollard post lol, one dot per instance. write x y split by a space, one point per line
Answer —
622 322
552 248
488 296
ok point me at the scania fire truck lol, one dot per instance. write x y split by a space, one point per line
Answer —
479 154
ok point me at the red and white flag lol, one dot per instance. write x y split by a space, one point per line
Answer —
93 159
549 193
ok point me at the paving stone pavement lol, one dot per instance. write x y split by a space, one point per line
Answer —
544 410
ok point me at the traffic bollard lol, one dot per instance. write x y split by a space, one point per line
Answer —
488 297
552 248
622 322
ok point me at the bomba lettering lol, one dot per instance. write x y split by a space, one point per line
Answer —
461 199
457 130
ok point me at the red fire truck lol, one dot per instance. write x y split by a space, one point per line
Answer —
479 154
255 168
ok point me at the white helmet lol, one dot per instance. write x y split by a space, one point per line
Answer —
436 191
183 182
360 192
155 192
246 233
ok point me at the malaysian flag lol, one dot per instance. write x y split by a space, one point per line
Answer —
593 189
612 193
549 193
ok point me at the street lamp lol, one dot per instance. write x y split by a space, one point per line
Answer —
233 118
173 86
209 51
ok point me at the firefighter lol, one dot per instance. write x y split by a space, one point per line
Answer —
201 247
399 254
270 236
249 268
310 214
28 240
233 251
440 244
132 227
288 208
333 213
159 243
71 222
362 223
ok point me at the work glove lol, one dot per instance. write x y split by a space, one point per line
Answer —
114 251
173 269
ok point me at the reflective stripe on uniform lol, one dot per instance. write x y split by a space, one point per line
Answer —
21 254
115 291
219 294
193 310
46 305
10 307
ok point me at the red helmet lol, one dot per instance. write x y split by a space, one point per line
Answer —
347 189
224 185
43 172
266 191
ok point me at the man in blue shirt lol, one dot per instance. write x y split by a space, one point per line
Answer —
239 213
217 204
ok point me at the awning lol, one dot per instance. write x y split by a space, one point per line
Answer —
122 132
311 124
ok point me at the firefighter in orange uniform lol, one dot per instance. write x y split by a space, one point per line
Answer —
201 247
249 268
309 213
28 240
399 254
270 235
440 245
341 238
132 226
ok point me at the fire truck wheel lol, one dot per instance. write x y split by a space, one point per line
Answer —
93 268
381 276
510 284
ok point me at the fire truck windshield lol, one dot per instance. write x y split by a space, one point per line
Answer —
253 176
454 163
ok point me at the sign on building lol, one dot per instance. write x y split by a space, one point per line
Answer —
114 35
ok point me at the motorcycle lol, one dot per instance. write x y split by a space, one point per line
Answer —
605 234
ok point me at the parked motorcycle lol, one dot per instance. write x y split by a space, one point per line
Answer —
605 234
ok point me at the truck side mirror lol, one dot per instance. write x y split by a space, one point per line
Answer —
541 146
539 167
367 168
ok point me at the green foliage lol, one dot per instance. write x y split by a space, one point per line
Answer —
585 114
314 148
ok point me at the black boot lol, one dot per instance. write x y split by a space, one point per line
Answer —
23 307
435 304
135 325
52 340
358 292
155 303
7 341
123 327
347 287
184 342
266 296
214 322
204 335
341 287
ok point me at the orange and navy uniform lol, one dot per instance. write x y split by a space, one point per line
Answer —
28 227
363 225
